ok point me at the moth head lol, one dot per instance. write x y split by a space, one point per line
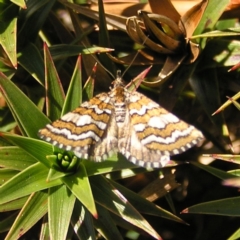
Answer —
118 82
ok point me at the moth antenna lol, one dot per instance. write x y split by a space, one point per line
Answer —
130 63
133 58
96 59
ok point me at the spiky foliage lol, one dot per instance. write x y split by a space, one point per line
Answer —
63 197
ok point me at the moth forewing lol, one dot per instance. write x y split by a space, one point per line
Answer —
123 121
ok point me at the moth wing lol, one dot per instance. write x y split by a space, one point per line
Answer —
80 130
156 133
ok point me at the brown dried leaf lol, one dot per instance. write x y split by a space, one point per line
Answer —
165 21
167 41
192 17
194 52
159 187
166 8
129 8
131 26
170 66
115 20
138 35
144 57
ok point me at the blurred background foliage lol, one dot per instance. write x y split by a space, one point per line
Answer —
194 50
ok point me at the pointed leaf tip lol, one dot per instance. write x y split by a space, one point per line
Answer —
231 182
135 83
185 211
216 112
94 68
235 67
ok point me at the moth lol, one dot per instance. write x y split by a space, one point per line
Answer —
125 122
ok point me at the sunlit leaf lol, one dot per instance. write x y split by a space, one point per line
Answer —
226 207
79 185
214 171
30 180
74 93
33 210
54 91
61 203
24 111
